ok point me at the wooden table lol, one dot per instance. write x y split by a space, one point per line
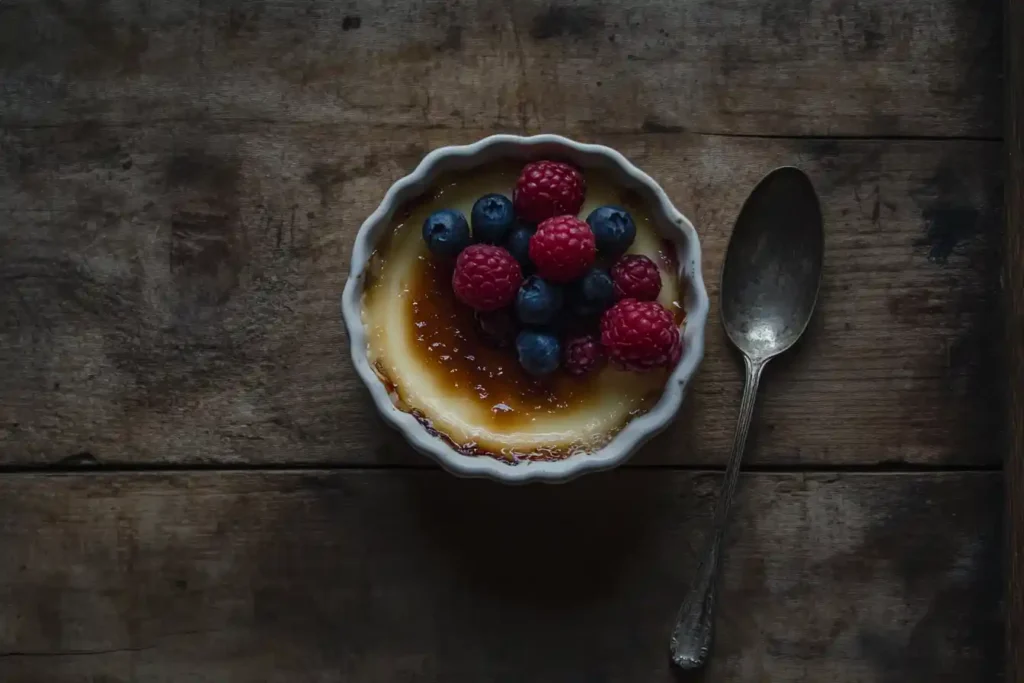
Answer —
195 486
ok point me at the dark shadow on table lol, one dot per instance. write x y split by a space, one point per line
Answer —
554 546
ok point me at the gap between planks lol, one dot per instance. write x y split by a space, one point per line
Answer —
666 130
84 465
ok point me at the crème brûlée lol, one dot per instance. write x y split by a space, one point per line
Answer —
439 365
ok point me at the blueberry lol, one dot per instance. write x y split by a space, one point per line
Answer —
518 244
539 352
538 302
446 233
492 218
613 228
593 293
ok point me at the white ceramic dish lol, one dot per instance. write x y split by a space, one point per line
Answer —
669 222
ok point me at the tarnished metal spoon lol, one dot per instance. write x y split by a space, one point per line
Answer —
769 286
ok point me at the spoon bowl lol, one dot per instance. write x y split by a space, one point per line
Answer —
773 265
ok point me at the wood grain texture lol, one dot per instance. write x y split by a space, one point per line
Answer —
778 67
171 296
1013 286
418 577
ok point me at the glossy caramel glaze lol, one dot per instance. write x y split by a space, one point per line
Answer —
451 339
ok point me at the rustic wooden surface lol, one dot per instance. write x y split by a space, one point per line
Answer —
180 183
1013 286
172 296
778 67
416 576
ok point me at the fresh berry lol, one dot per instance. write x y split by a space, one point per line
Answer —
492 218
613 228
562 248
539 352
593 293
548 188
640 335
538 302
676 353
583 354
486 277
498 328
636 277
446 233
519 245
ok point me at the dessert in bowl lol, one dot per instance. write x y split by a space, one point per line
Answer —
526 308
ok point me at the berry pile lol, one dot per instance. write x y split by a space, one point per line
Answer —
564 288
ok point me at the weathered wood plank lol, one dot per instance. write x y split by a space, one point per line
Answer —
794 67
1013 286
417 576
170 295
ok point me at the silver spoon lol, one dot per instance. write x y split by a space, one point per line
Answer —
769 286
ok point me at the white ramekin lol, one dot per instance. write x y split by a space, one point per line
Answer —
669 222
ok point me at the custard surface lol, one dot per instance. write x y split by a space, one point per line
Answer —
429 350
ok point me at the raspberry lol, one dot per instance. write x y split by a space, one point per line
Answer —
546 189
583 354
636 277
486 277
562 249
640 335
677 351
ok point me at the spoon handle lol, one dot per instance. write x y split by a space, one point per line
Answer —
691 638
